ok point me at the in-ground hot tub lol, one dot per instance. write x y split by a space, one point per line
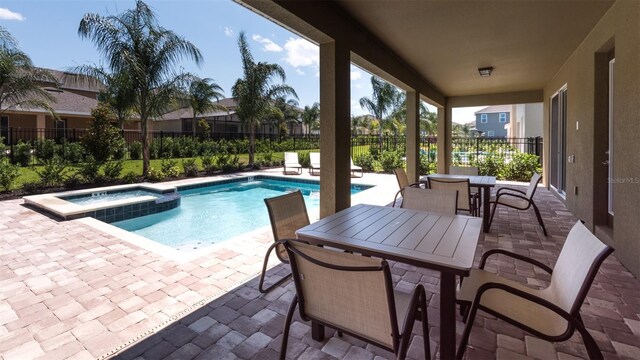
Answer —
108 204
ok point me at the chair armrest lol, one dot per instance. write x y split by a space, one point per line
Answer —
510 189
537 263
511 194
416 185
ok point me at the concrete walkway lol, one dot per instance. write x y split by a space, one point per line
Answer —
70 291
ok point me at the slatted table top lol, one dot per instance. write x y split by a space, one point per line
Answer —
437 241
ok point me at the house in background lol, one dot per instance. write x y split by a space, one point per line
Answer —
526 121
491 120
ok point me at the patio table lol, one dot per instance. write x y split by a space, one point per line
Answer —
484 183
445 243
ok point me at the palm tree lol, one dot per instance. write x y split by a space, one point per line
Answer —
381 103
255 91
311 116
428 120
201 93
20 81
133 42
288 114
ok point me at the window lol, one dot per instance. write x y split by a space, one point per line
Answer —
187 125
491 133
61 127
503 117
483 118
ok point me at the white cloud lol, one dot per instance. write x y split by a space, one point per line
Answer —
300 72
6 14
228 32
356 75
269 45
301 52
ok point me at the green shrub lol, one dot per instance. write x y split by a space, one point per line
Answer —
490 165
265 158
391 160
102 139
155 175
427 166
89 171
8 174
135 150
209 164
73 152
130 177
113 169
73 180
46 149
52 172
521 167
22 153
190 167
365 161
31 187
303 157
170 168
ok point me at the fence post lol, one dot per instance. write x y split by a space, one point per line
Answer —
161 143
477 149
11 142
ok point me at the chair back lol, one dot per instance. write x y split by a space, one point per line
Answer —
440 201
348 292
287 214
314 159
533 185
291 158
577 265
463 170
461 185
401 176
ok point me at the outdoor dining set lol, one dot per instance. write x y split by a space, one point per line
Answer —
340 266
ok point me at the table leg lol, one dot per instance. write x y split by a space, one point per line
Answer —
447 316
317 331
486 209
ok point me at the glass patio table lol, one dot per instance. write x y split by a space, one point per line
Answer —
445 243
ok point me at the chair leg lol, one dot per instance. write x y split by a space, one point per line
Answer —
535 208
287 325
493 212
467 331
593 350
264 273
425 327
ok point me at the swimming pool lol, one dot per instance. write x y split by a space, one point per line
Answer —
213 213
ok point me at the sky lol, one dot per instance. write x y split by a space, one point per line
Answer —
47 31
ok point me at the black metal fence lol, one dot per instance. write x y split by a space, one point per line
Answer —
464 150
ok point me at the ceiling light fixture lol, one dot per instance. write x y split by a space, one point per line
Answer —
485 71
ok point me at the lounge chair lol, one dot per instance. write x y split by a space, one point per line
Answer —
518 199
314 162
440 201
291 161
287 214
356 168
403 182
353 294
466 202
552 314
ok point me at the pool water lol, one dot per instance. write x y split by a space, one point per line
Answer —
215 213
101 197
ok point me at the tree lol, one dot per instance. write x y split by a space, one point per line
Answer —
133 42
201 94
381 103
311 116
20 81
428 120
288 113
256 92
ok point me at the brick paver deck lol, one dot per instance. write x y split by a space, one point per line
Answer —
69 291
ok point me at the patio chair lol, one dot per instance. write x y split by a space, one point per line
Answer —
466 201
518 199
356 168
468 171
353 294
314 162
552 314
291 161
403 182
440 201
287 214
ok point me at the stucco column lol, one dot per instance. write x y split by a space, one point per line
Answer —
444 139
335 130
413 136
41 124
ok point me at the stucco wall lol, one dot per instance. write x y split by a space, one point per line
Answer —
619 27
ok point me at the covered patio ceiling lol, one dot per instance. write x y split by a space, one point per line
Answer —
445 42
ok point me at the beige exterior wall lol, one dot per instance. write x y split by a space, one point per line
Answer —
26 121
620 28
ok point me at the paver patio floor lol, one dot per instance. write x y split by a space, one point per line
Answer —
69 291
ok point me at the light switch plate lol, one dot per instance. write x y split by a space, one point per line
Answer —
577 125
